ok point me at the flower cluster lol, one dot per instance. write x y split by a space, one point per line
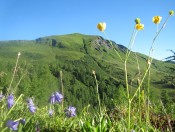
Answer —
156 19
58 98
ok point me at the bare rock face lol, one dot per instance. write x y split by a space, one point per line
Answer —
106 44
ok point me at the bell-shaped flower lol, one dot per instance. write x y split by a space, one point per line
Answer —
31 105
157 19
13 125
10 101
139 26
58 97
101 26
71 111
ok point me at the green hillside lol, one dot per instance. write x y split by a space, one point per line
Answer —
76 55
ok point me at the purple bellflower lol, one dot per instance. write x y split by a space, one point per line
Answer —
13 125
71 111
10 101
58 97
31 105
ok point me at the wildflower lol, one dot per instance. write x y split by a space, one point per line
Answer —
137 20
71 111
139 26
1 96
171 12
157 19
31 106
32 109
58 97
10 101
51 112
101 26
52 99
13 125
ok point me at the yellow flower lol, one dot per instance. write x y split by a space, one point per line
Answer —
157 19
171 13
139 26
137 20
101 26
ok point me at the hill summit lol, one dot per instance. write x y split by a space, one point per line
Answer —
76 55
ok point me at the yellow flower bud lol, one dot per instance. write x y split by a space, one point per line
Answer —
137 20
139 26
101 26
157 19
93 72
171 12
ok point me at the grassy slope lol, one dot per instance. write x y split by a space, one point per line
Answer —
78 53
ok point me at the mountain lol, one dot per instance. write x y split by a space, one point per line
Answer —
76 55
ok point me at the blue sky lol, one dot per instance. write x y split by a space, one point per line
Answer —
30 19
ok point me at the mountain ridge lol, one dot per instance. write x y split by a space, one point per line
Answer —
76 55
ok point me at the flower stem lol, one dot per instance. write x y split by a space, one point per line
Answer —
62 90
129 114
132 40
18 84
98 95
131 43
148 101
14 72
